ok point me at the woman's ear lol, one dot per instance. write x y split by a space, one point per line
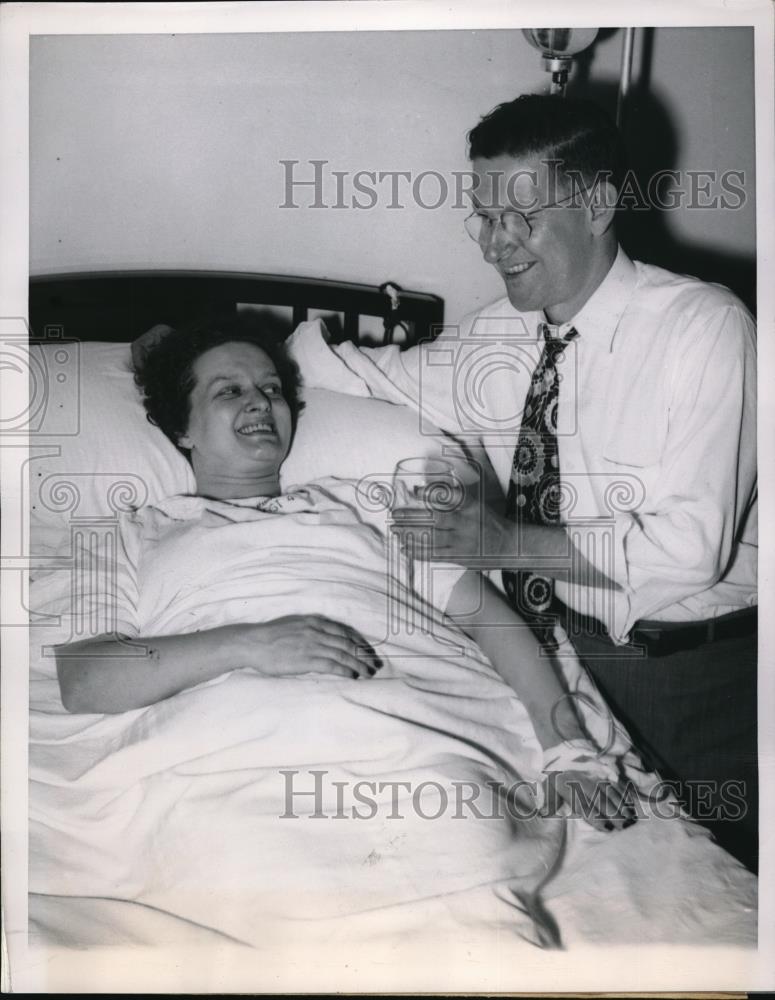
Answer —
184 441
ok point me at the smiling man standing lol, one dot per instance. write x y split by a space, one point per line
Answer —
617 404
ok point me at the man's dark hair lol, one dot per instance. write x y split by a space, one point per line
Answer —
578 134
165 375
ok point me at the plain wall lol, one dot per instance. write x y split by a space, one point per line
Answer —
164 150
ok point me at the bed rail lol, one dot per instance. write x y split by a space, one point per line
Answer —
121 305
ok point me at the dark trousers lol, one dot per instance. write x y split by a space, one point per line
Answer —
692 714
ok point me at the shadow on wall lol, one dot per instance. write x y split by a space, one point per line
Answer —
653 145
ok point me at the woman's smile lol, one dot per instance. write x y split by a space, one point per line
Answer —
263 426
237 393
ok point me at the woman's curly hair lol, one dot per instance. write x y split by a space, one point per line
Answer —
165 371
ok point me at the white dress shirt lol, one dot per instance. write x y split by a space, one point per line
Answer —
656 434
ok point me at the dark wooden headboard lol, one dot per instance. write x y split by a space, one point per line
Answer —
121 305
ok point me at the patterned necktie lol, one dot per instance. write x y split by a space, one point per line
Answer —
534 495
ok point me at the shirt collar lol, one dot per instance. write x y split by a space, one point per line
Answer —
185 507
180 508
598 319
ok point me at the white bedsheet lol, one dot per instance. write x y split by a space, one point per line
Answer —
166 824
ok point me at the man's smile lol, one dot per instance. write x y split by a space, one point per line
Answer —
516 268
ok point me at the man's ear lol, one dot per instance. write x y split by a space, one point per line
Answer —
184 441
602 209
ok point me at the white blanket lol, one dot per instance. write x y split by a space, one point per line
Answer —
313 811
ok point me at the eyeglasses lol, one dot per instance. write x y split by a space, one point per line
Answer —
516 225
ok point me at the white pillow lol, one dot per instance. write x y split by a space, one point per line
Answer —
93 452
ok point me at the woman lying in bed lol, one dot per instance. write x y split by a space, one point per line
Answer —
228 400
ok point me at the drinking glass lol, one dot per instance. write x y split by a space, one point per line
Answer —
421 485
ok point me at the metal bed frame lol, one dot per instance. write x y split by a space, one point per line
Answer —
119 306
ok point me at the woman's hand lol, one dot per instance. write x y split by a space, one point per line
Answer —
603 804
106 674
301 644
590 782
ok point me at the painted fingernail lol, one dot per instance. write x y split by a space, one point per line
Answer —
629 822
608 825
